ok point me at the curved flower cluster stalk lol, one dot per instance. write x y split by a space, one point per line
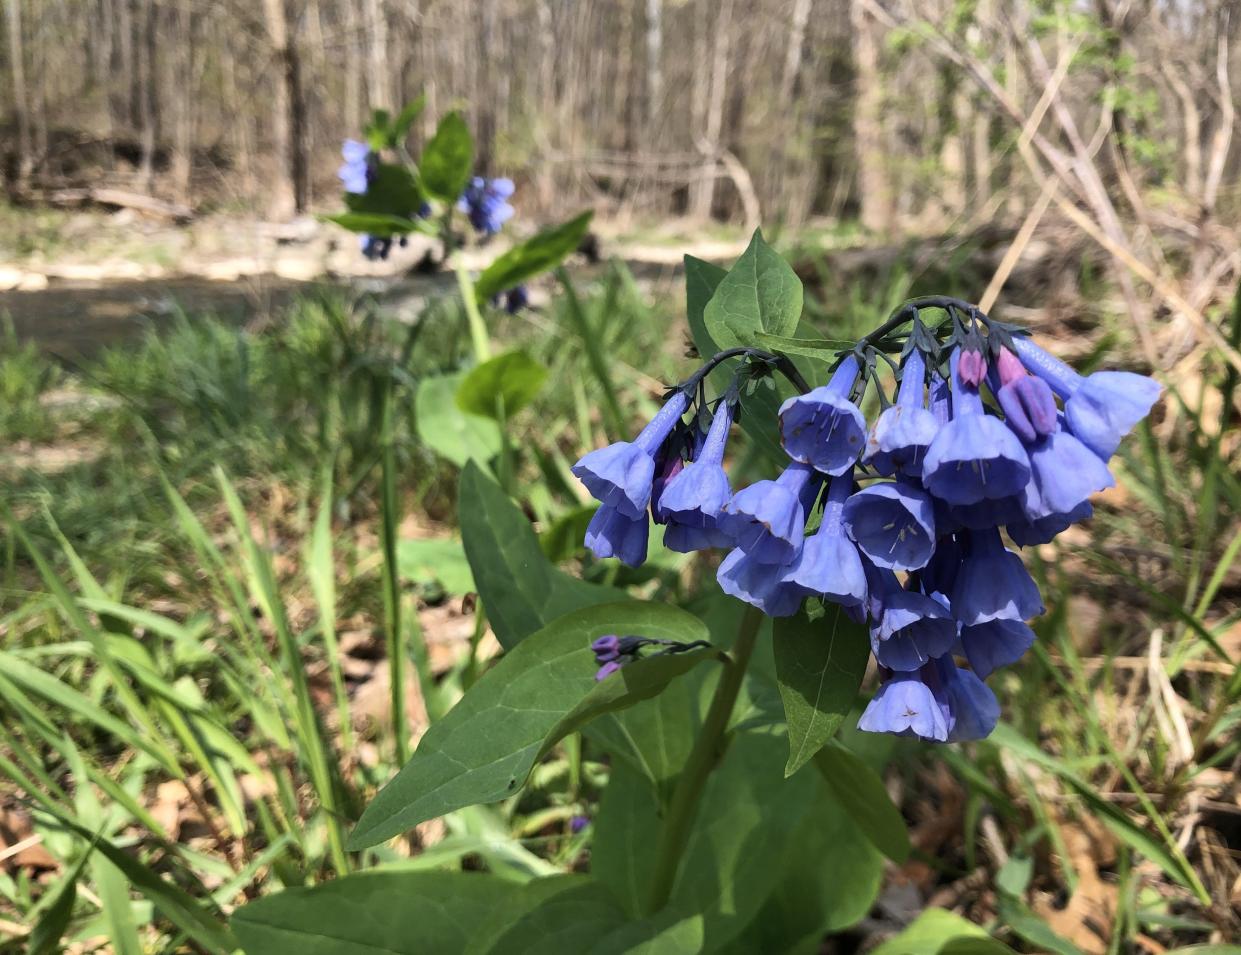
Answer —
898 522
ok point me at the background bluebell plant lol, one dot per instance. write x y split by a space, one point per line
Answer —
973 442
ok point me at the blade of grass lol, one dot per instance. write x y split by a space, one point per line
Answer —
594 358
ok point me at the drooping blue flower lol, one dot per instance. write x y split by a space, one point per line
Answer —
940 573
485 203
1101 408
972 706
829 565
698 492
1064 473
906 706
355 173
766 519
909 628
893 523
994 644
611 534
975 456
899 440
759 584
994 512
824 428
993 584
1042 531
620 475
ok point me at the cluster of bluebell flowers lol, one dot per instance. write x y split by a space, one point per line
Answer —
485 203
898 522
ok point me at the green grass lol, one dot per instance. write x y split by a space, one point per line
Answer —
176 607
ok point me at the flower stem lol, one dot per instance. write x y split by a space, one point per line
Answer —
708 748
478 329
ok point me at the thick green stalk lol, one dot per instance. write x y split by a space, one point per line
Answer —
478 328
708 748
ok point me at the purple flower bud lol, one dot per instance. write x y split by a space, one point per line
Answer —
972 368
607 670
1029 407
606 648
578 823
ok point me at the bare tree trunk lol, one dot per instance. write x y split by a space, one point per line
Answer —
874 189
654 61
379 73
284 190
183 101
709 145
797 41
21 107
148 115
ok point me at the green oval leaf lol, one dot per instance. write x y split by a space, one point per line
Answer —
760 293
530 258
864 797
454 434
503 385
448 159
402 913
819 667
484 749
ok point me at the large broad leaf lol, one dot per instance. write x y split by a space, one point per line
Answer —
392 191
450 432
501 386
537 254
484 749
521 590
862 794
391 912
743 832
940 932
377 223
702 279
831 875
760 293
447 159
819 667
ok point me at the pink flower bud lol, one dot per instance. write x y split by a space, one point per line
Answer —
972 368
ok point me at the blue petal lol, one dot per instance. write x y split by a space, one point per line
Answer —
974 708
1107 405
975 457
994 585
822 429
619 476
905 706
766 521
354 151
990 513
994 644
1064 474
685 539
829 566
893 524
696 495
758 584
1030 533
612 534
899 440
913 630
